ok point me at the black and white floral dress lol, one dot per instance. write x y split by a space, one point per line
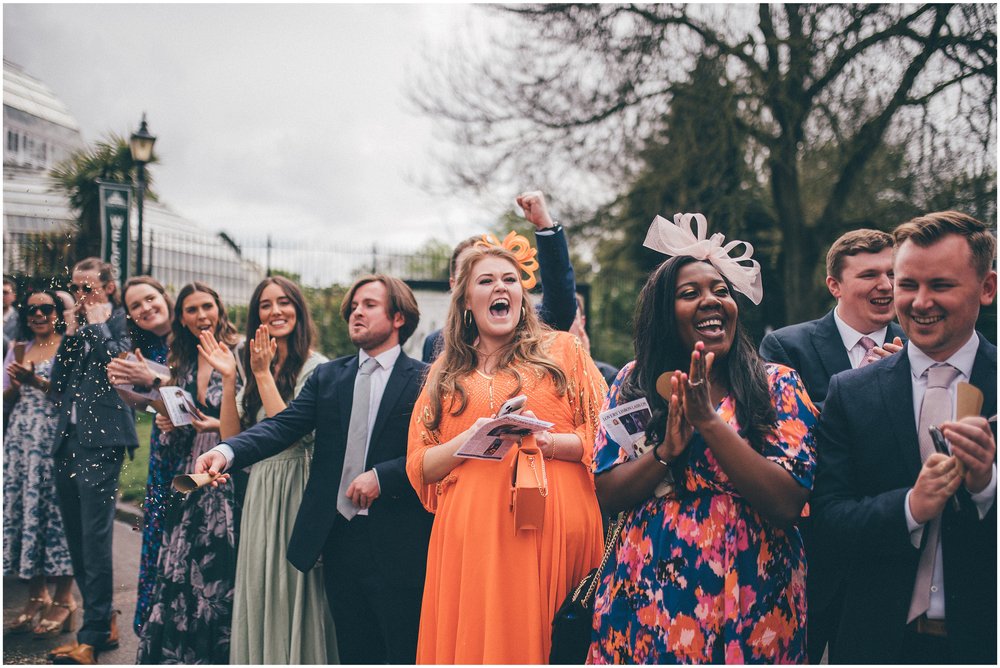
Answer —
192 603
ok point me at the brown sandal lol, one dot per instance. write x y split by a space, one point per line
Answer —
26 621
50 628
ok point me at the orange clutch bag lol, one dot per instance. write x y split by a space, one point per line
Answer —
528 487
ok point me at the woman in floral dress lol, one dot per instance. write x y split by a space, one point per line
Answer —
192 600
148 308
709 567
34 544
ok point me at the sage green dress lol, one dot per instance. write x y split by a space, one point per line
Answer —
280 615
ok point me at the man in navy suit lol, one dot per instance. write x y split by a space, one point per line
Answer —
922 569
94 429
359 511
557 308
859 276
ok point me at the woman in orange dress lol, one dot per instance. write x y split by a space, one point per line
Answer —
491 589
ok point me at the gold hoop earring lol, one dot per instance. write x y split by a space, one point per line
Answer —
467 319
524 313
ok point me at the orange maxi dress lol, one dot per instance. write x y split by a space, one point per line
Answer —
491 591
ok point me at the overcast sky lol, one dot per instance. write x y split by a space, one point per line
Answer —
267 117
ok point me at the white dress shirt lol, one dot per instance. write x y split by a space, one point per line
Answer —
963 360
852 339
379 379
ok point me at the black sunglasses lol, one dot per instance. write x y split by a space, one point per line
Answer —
86 287
46 309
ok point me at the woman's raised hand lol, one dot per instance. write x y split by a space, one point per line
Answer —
219 357
262 350
696 392
679 430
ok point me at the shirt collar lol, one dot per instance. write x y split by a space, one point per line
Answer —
851 336
962 359
386 360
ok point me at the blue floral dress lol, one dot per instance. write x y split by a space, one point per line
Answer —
191 606
698 576
34 542
164 464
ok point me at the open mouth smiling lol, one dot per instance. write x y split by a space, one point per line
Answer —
500 307
711 325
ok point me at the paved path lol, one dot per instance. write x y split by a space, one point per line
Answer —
25 649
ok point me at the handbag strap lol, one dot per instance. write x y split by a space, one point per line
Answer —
610 542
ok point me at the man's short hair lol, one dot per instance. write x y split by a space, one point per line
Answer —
852 243
400 299
461 246
929 228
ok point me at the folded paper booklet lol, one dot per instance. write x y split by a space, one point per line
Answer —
137 396
626 424
495 438
179 404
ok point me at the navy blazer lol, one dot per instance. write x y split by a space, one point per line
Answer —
400 526
80 375
555 275
868 458
814 349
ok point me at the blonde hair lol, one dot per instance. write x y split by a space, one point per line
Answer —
460 357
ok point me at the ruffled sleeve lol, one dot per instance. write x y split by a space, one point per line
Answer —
793 443
586 389
420 438
607 452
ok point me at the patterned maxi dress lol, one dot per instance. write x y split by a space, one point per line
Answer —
192 601
698 576
33 539
491 591
164 464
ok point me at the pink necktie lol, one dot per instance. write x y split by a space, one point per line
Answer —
868 344
934 409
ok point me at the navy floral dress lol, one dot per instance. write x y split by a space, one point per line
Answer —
34 542
164 464
191 606
698 576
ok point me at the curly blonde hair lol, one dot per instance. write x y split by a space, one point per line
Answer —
460 357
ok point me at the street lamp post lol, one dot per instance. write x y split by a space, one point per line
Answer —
141 145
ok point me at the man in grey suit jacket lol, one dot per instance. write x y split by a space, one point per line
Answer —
922 576
859 276
95 427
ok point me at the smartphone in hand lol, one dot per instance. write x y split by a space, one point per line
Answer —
513 406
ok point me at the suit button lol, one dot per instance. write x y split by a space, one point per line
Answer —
934 589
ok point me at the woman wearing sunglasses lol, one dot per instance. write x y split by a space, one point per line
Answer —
34 544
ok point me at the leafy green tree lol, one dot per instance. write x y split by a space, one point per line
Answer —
77 176
572 93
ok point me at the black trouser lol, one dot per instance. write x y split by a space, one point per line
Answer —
376 622
87 487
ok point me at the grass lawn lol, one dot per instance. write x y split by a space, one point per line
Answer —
134 472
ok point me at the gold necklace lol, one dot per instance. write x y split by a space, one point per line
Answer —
489 387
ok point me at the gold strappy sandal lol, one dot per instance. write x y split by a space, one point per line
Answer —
26 621
50 628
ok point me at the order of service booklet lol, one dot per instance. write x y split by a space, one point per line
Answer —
495 438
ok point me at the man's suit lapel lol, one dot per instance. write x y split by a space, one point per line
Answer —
984 375
398 379
895 390
830 347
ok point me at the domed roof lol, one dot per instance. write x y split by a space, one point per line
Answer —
25 93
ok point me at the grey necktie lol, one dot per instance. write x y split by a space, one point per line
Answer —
357 437
868 343
934 409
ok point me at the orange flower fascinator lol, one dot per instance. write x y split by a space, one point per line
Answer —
522 251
